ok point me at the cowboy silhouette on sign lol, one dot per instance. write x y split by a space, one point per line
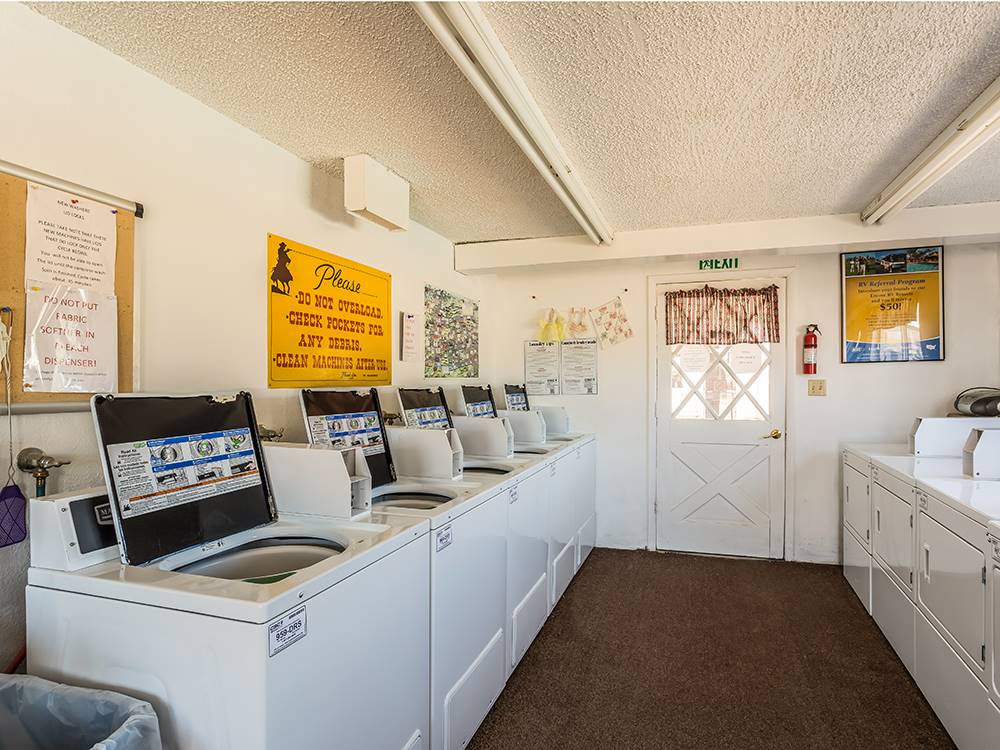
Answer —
280 275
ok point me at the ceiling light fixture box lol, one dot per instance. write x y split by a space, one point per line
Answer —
376 193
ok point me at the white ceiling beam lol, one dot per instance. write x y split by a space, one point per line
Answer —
467 36
977 124
973 222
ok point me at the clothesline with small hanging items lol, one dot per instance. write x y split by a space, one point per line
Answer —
609 322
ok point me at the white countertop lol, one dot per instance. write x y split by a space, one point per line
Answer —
941 477
977 499
870 450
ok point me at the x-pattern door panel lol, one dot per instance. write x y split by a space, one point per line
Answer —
720 446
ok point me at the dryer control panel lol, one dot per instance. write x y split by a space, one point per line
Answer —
994 544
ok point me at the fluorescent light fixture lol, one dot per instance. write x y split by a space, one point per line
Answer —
975 126
468 38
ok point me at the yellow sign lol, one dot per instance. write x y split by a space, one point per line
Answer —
892 303
329 319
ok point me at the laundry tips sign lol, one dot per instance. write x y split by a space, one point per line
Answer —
329 319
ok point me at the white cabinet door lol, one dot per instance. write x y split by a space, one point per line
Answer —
950 586
560 486
893 542
894 614
583 465
527 563
995 597
956 695
857 567
857 504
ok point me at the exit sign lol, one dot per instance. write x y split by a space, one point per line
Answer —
718 264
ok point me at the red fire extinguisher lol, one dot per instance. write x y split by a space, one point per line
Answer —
810 343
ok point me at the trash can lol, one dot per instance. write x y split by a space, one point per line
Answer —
36 714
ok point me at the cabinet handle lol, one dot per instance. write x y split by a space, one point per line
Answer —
878 520
927 562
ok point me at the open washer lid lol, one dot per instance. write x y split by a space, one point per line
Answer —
350 418
516 397
479 401
425 407
181 471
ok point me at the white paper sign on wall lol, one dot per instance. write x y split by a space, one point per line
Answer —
69 241
71 341
409 351
541 368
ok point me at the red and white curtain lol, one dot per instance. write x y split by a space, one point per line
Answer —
723 316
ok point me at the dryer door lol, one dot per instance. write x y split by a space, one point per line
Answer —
950 586
995 671
893 542
857 503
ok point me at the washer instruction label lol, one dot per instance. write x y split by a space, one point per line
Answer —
155 474
516 402
358 430
480 409
284 632
434 417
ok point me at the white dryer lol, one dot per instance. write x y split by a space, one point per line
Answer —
894 546
954 563
993 622
242 629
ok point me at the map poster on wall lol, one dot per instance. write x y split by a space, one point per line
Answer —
451 335
541 368
578 367
892 305
329 319
69 241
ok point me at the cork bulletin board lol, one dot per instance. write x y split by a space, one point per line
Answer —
13 204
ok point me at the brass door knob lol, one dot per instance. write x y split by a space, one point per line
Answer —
773 434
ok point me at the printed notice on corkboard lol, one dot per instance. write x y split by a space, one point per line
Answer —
329 319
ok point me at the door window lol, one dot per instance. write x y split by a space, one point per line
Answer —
715 382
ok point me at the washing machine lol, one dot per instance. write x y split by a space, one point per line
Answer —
471 401
468 584
533 493
429 468
487 439
242 628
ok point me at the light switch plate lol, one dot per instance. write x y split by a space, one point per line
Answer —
817 387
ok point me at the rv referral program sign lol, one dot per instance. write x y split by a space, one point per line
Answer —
893 305
329 319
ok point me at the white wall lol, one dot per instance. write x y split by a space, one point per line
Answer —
212 190
870 403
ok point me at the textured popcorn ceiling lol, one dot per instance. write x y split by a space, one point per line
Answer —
975 180
673 113
327 80
703 113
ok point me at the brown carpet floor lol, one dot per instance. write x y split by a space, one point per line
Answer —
650 650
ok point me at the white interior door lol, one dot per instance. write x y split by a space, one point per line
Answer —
720 445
